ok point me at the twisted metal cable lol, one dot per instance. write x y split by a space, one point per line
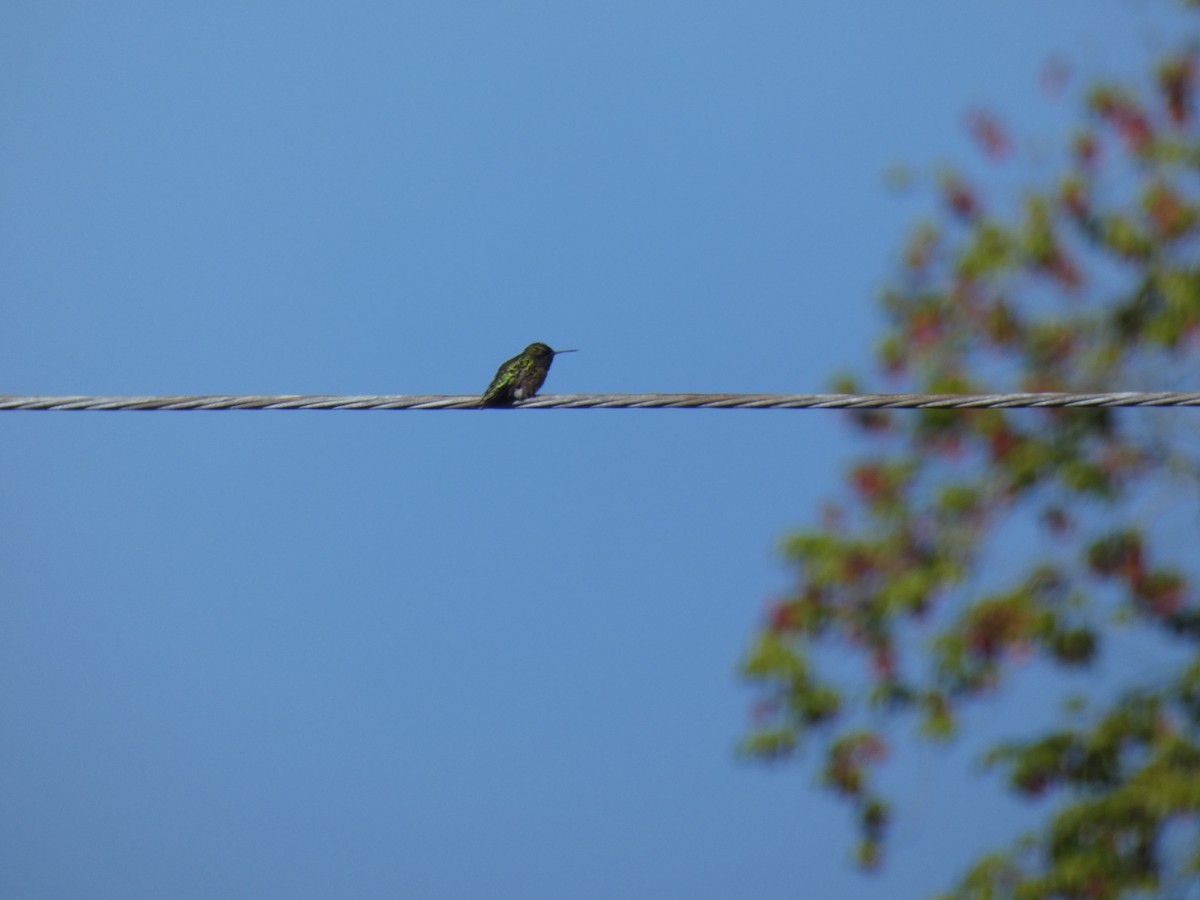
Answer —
615 401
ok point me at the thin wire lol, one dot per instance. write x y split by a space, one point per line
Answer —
615 401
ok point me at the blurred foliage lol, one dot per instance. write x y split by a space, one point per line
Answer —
1091 283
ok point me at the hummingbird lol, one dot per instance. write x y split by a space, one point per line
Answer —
520 377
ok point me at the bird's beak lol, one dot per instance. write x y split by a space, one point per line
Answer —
556 352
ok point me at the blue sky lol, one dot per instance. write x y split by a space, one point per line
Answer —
452 654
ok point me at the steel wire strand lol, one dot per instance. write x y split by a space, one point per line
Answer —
609 401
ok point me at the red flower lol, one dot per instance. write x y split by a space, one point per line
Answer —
1178 82
987 131
1087 149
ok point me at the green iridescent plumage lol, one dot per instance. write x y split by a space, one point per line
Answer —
520 377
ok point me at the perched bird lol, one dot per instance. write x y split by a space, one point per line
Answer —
520 377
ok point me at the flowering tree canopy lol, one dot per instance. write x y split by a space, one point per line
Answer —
1092 283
